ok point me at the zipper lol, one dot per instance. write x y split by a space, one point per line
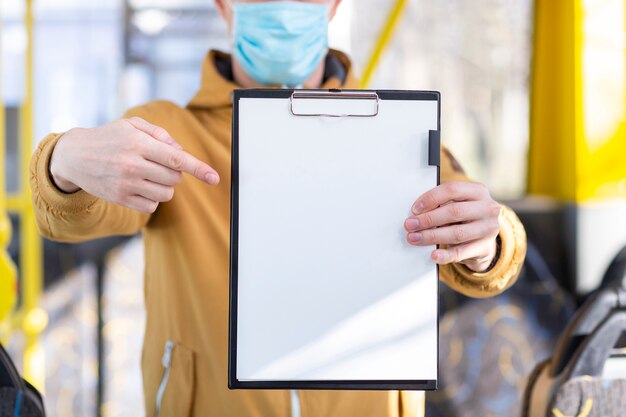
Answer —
295 403
166 361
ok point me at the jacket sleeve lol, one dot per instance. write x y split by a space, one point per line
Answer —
76 216
510 255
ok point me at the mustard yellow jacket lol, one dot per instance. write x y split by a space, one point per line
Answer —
186 266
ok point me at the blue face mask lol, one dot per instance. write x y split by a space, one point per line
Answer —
280 42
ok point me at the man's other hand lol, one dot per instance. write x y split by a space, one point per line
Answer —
128 162
461 215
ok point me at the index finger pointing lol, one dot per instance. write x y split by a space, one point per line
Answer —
447 192
180 160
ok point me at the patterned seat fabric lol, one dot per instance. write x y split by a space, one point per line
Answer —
488 347
582 396
590 397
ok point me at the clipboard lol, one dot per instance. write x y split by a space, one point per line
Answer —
325 292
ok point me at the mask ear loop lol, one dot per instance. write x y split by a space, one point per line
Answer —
231 34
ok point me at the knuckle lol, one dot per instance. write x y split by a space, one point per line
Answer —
159 132
122 169
125 187
197 172
495 227
430 237
460 234
457 211
427 220
136 144
129 169
430 200
456 254
175 160
494 208
452 187
132 121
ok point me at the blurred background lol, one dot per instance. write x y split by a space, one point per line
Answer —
533 105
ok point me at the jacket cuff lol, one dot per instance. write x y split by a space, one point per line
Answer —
504 272
44 188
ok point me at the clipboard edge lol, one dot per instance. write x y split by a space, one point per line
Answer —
360 385
415 95
233 244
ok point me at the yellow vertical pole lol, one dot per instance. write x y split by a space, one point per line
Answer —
34 317
566 161
383 40
556 104
7 268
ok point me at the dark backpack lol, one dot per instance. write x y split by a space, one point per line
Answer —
18 398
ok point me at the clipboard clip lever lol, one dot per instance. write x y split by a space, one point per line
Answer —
334 94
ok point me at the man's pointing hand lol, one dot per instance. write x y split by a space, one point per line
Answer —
128 162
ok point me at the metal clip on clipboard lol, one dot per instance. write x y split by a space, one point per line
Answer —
434 141
334 94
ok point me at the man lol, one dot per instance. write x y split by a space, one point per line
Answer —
120 178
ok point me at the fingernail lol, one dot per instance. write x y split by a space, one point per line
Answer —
438 256
418 207
412 223
212 178
415 237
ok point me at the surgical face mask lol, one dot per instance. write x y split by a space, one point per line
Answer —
280 42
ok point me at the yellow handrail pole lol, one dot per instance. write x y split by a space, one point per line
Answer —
34 318
384 38
566 160
556 101
7 268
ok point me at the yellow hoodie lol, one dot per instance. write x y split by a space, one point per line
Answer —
187 254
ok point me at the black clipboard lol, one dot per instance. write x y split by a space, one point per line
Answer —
279 137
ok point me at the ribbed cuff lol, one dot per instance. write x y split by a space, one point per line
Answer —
504 272
44 188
